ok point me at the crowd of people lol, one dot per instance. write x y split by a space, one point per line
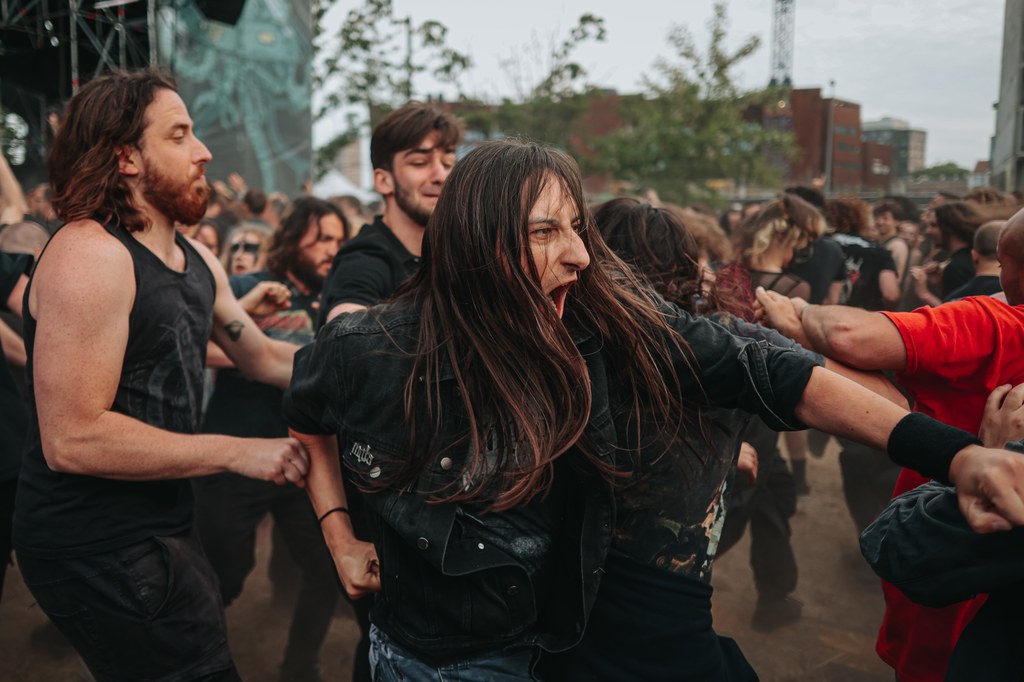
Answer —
516 425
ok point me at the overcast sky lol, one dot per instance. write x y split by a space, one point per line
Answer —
934 63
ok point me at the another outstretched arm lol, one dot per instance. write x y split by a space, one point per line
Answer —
254 353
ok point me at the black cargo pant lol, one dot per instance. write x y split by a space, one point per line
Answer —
150 611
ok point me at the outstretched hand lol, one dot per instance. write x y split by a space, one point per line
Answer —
989 487
783 314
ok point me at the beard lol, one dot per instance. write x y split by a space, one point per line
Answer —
419 215
179 201
307 273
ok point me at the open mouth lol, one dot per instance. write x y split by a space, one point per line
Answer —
558 297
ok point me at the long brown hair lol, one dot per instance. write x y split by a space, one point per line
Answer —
525 385
960 219
659 243
107 115
283 247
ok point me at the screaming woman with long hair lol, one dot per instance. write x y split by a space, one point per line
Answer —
490 410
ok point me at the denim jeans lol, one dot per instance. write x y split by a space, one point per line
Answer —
150 611
391 663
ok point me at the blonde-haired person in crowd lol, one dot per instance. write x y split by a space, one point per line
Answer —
764 245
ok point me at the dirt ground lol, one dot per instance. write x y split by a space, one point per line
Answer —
833 642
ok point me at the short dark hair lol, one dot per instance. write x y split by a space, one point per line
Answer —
888 206
812 196
404 128
255 200
107 115
283 247
986 239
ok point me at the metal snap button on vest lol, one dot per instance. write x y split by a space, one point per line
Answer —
512 590
446 463
423 543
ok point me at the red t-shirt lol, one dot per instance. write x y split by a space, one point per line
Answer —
957 354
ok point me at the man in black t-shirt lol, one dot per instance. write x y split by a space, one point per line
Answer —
118 314
229 507
413 151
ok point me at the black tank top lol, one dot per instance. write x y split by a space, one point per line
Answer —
161 384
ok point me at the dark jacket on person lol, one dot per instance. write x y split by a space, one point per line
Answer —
447 595
923 545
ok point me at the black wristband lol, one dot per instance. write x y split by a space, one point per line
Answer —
331 511
927 445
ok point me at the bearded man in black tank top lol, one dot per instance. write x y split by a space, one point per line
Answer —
117 317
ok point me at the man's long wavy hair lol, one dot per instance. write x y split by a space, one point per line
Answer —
525 386
284 246
107 115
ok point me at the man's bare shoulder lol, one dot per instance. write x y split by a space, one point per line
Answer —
84 241
83 258
897 246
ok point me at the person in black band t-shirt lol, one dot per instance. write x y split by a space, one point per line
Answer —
413 150
118 313
229 507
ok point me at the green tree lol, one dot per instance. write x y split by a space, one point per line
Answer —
372 61
693 124
549 108
943 171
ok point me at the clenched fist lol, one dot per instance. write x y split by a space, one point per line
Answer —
281 460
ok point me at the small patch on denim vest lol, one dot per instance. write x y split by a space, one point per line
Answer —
362 453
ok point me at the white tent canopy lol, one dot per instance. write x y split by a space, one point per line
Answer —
334 184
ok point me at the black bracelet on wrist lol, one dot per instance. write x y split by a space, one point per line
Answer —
331 511
927 445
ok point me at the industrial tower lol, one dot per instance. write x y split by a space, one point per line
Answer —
784 18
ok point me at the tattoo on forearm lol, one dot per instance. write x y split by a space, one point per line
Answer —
234 330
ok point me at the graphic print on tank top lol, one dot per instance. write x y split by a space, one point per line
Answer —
170 391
